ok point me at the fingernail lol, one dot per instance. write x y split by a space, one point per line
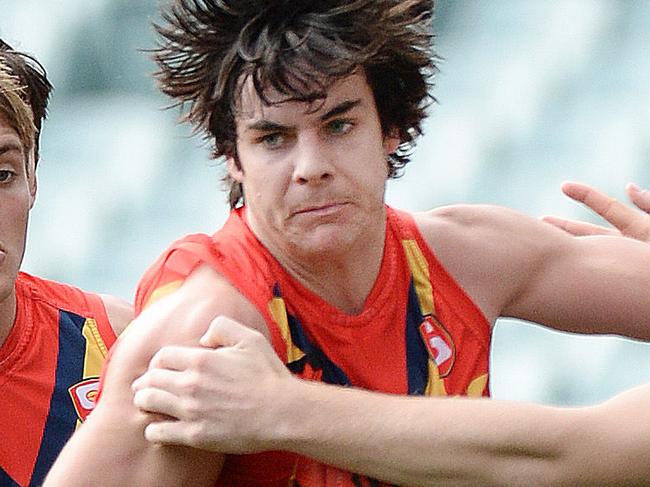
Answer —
633 187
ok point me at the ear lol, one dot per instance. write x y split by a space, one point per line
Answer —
391 142
234 169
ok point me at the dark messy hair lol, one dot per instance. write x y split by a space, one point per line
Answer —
36 88
207 48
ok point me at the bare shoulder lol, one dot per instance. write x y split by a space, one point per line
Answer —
489 250
182 317
119 312
487 227
471 218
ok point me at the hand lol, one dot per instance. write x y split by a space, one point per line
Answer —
217 398
627 221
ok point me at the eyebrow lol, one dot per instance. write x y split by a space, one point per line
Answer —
340 109
269 126
10 146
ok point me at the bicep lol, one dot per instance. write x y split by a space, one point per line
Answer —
590 285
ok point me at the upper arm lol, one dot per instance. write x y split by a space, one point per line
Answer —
517 266
596 284
488 250
114 432
119 312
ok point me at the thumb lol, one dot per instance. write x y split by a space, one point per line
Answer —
224 332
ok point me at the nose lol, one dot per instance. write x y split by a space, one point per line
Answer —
313 163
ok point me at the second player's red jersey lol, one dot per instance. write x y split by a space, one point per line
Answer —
49 374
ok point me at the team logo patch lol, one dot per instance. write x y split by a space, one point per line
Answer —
439 344
84 396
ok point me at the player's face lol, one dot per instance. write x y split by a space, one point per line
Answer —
314 180
17 190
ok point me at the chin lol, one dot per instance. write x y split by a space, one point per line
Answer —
330 241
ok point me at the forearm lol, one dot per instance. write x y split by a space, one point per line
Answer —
424 441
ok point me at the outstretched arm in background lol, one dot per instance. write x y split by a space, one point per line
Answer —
627 221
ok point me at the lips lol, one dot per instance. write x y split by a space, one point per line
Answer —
320 208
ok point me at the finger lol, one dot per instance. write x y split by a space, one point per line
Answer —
640 197
578 228
168 433
224 332
158 401
173 357
615 212
163 432
160 379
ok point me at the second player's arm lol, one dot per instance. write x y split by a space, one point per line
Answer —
119 312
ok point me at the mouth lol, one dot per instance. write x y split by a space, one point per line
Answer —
321 209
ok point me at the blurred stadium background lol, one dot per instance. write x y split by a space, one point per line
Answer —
530 94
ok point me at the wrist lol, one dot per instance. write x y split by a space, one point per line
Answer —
289 414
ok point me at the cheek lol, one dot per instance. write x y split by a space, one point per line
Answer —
14 214
263 193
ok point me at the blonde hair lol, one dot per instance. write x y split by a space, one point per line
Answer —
14 108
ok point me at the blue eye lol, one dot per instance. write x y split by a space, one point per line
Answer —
339 127
274 140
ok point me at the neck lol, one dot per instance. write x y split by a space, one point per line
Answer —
344 282
7 315
344 277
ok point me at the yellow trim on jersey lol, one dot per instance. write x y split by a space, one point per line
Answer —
96 349
163 291
421 278
435 385
95 354
477 386
278 311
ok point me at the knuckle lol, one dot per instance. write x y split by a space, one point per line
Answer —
192 410
200 361
190 385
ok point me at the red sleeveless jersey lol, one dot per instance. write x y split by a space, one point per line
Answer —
419 333
49 369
